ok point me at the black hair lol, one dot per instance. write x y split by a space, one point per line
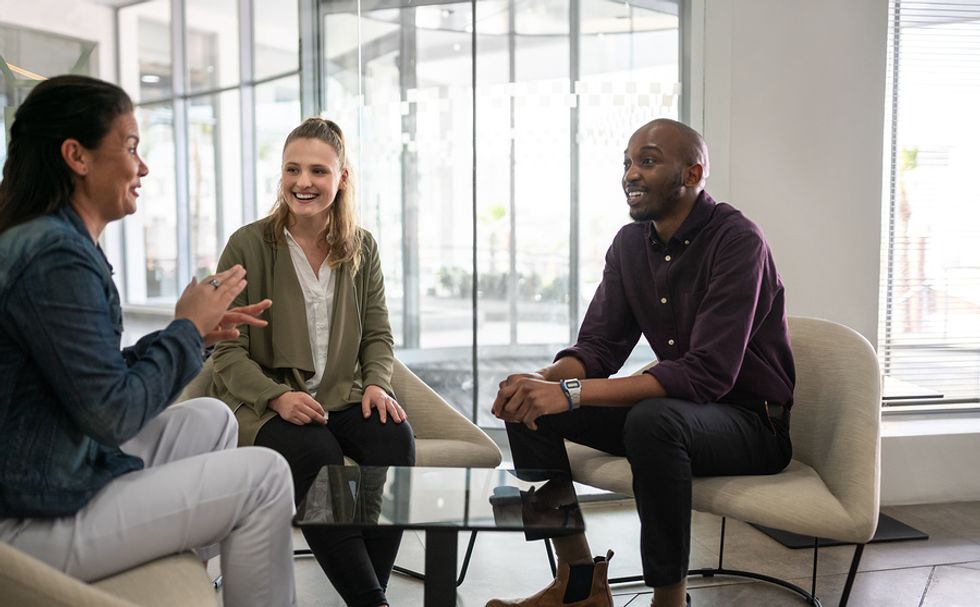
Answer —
36 180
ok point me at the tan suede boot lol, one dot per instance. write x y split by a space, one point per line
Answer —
552 596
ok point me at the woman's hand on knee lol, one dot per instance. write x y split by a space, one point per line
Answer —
376 398
298 408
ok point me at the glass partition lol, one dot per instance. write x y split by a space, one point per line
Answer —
151 233
28 56
487 139
215 99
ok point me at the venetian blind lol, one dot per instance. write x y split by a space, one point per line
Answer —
930 303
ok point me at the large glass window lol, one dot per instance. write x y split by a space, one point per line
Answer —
274 30
277 102
213 111
146 68
28 56
930 315
489 156
212 44
151 233
486 139
215 176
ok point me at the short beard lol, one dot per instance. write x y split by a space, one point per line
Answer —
669 195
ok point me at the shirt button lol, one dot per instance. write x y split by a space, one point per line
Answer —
667 258
663 300
670 342
687 242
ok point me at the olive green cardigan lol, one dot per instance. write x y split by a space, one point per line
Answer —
265 362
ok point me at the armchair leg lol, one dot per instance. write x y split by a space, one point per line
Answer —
421 576
809 597
851 573
816 551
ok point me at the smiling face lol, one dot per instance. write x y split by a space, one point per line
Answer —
109 183
664 168
653 173
312 174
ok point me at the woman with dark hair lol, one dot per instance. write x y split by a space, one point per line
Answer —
326 352
99 475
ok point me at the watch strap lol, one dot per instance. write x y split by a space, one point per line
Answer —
572 388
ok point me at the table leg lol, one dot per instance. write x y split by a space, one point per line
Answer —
440 567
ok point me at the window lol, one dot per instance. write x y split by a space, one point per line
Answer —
930 304
28 56
213 113
487 138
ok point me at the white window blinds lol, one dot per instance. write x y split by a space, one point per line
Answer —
930 305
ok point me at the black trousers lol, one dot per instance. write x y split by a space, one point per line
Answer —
667 442
357 562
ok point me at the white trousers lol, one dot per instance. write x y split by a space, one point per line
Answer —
197 490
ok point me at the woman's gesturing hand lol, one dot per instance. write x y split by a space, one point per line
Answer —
204 303
227 327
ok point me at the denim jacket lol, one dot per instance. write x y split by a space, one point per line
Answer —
69 397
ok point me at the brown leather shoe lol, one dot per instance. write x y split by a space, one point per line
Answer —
552 596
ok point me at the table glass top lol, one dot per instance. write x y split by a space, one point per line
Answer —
460 498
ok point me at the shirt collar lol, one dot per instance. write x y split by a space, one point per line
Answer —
695 221
68 213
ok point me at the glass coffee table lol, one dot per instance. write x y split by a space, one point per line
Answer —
442 502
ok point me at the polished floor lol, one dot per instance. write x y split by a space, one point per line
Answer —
941 571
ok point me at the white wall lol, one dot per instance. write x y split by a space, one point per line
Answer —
793 113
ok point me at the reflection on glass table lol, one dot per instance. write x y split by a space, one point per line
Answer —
442 502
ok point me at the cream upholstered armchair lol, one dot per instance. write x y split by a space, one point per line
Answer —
830 489
174 580
443 436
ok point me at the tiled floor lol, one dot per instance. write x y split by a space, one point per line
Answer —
941 571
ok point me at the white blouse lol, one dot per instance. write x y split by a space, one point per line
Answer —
318 295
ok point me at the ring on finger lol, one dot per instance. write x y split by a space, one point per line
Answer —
214 282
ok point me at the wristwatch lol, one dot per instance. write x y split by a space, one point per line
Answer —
573 392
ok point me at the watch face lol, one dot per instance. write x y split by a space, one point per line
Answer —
573 383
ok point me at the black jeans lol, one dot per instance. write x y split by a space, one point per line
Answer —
357 562
667 442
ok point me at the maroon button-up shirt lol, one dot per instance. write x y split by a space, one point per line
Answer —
709 302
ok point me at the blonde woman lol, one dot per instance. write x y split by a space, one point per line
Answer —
315 384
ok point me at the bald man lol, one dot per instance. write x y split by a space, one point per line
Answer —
696 278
